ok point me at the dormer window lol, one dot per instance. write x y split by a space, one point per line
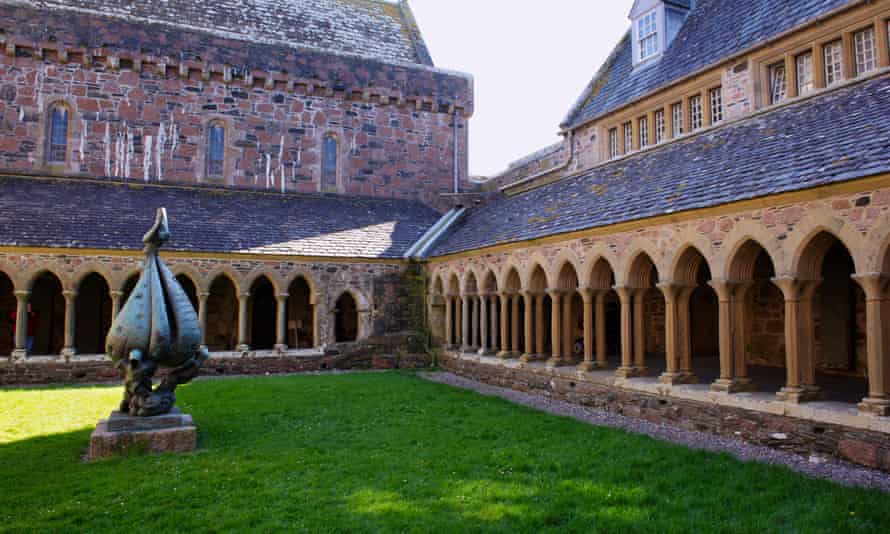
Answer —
647 31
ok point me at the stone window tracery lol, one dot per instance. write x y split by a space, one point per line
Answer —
57 145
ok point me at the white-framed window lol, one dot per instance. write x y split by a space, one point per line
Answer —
778 83
677 119
216 149
834 62
804 63
643 123
695 113
628 138
659 126
866 54
57 140
613 143
647 34
716 97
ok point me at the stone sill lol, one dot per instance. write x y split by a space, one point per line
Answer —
837 413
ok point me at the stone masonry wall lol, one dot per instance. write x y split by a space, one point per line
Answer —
865 447
137 112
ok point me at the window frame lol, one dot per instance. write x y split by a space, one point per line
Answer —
613 143
696 115
715 100
809 86
677 117
659 126
50 146
628 137
210 161
865 53
323 186
643 126
834 71
644 39
778 87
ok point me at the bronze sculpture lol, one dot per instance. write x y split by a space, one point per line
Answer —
157 327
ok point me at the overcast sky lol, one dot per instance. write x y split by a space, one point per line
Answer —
530 61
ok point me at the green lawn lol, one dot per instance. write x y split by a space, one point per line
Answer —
389 452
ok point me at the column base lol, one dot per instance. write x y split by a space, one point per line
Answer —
280 348
67 354
486 352
527 358
588 366
733 385
630 372
505 354
554 362
678 378
19 355
879 406
799 394
242 348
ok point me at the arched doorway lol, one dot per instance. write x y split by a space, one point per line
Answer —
92 313
697 329
47 325
300 315
606 330
346 319
645 316
262 314
8 309
222 315
191 291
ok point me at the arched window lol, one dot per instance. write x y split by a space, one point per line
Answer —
57 147
329 164
216 143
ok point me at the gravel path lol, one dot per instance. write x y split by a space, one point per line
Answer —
817 467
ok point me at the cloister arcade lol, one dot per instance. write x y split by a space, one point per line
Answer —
810 323
68 316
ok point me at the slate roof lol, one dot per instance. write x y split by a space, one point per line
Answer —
835 137
375 28
713 31
112 215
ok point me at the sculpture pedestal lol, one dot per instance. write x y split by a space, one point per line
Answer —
122 434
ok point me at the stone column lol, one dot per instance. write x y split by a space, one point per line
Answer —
474 323
514 326
639 332
466 341
729 324
458 323
69 350
684 338
625 296
448 324
555 328
243 345
21 325
588 364
740 336
495 325
568 344
202 316
877 337
505 317
484 347
117 298
539 324
281 323
529 321
671 374
601 357
798 340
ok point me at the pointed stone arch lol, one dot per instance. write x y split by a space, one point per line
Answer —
812 224
268 273
600 273
190 273
810 251
638 247
687 264
34 275
565 258
226 271
306 275
641 270
88 268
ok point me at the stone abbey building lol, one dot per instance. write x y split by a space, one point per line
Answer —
708 245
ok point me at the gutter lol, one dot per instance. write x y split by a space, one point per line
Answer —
421 247
570 137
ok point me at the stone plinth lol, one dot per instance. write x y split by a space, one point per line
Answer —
122 434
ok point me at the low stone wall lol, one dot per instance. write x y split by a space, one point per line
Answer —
366 355
802 436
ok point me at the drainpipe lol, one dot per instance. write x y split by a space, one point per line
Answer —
456 155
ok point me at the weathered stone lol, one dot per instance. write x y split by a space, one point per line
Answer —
105 443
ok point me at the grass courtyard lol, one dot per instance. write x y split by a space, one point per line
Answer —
389 452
